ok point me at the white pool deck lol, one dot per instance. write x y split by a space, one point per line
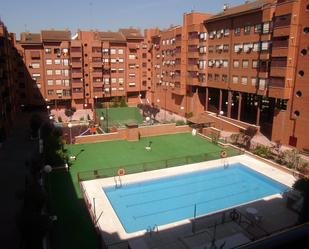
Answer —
112 230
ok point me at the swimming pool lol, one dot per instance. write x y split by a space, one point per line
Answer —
166 200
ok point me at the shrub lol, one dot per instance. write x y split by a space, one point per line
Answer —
180 122
70 112
60 119
189 115
302 185
35 124
262 151
123 102
250 131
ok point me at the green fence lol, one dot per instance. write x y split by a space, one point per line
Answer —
146 166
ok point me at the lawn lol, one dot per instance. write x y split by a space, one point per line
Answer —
120 116
74 228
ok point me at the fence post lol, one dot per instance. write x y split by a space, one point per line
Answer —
166 164
95 172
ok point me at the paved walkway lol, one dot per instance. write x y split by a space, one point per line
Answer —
16 150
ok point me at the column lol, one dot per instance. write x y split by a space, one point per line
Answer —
207 97
220 100
258 112
239 105
229 103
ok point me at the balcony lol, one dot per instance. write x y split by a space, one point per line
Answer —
76 73
281 31
194 81
277 71
77 95
192 67
193 42
179 90
76 64
194 55
178 43
96 64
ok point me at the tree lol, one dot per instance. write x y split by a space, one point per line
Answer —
302 185
35 124
70 112
123 102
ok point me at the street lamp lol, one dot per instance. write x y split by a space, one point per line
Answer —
70 128
85 106
48 107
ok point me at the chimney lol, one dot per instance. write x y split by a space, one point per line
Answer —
225 7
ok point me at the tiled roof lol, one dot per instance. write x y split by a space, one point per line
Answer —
33 38
131 33
56 35
247 7
112 36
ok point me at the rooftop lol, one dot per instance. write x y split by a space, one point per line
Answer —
240 9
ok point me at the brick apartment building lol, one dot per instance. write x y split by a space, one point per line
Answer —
249 62
12 86
91 67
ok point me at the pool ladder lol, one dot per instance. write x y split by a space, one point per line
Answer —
118 183
150 229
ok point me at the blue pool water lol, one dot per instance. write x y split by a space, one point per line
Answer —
171 199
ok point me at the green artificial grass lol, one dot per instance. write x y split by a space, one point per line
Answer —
119 116
74 228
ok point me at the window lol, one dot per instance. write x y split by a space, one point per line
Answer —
49 72
258 28
247 47
50 82
105 60
210 49
48 62
262 84
247 29
255 63
58 82
50 92
120 60
236 63
225 48
59 92
35 65
105 51
114 80
224 78
225 63
120 70
237 31
256 47
113 60
254 81
113 51
245 64
132 56
131 75
65 62
58 72
209 76
57 62
36 76
244 80
265 45
217 77
226 32
66 82
121 80
237 48
65 72
235 79
266 27
144 55
132 84
47 51
106 80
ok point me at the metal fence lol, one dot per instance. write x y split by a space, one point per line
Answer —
146 166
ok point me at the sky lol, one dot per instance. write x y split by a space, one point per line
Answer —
36 15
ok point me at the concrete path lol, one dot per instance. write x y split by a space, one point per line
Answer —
15 151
